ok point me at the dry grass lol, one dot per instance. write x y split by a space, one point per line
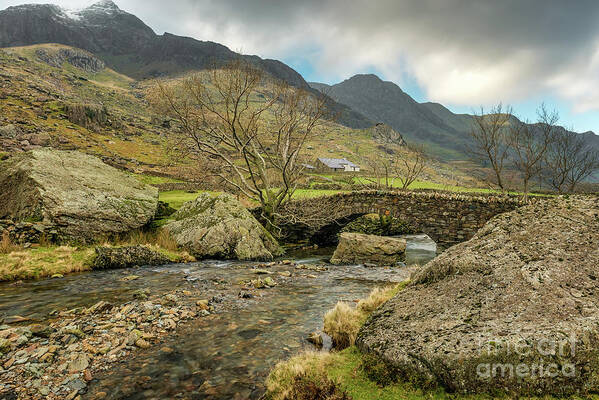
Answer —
160 238
280 381
343 322
160 241
6 245
43 262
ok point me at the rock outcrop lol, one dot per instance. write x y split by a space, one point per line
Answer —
514 309
127 257
357 248
77 194
220 227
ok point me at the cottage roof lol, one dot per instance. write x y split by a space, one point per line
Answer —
336 162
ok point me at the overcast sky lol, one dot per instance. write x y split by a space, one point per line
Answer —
462 53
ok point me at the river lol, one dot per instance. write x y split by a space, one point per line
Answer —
226 355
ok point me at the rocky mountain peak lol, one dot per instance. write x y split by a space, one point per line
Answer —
107 6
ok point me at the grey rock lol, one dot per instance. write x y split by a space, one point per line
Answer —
220 227
515 294
126 257
356 248
77 193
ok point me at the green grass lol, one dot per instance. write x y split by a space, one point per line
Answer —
155 180
44 261
311 193
345 368
176 198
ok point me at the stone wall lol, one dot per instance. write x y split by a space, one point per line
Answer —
447 218
26 232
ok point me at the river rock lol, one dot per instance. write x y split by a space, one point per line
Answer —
488 314
76 193
127 257
356 248
221 227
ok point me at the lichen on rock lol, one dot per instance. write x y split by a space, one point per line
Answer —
77 194
220 227
356 248
512 310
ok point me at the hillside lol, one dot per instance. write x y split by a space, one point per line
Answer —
130 47
43 86
444 133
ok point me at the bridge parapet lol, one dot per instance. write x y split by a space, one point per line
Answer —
447 218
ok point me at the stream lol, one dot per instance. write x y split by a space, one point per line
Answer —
228 354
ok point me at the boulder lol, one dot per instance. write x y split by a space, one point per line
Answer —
127 257
76 193
512 310
221 227
357 248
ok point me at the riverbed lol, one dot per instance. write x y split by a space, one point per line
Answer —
228 354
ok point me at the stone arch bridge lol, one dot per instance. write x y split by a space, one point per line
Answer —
446 217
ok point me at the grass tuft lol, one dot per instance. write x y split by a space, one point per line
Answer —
6 245
343 322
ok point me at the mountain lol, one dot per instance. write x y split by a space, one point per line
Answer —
445 134
127 45
430 124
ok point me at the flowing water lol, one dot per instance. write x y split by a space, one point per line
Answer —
228 354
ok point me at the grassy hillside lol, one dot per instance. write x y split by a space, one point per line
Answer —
36 99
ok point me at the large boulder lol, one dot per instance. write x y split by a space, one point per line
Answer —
221 227
514 309
77 194
356 248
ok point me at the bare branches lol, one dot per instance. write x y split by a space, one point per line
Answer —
253 127
529 144
408 170
490 148
569 161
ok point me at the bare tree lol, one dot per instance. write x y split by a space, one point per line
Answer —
254 128
408 169
529 144
490 145
569 161
380 169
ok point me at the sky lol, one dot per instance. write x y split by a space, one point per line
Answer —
462 53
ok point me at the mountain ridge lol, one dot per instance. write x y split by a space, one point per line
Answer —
129 46
445 133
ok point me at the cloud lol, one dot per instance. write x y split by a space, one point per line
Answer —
461 52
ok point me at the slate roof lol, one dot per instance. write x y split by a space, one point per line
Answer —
336 163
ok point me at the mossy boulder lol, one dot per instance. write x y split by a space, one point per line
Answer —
357 248
221 227
77 194
512 310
